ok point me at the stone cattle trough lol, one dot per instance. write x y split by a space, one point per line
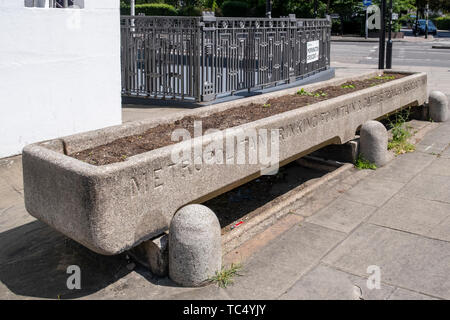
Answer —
114 207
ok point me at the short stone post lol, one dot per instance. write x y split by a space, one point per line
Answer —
373 143
153 254
195 248
438 104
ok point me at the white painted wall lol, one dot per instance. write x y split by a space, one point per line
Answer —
59 71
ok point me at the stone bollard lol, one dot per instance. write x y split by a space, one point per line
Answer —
373 143
438 104
195 246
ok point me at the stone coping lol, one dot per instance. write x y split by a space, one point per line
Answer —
114 207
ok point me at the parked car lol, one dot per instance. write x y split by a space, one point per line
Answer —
419 27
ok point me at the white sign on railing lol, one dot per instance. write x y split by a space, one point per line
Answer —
312 51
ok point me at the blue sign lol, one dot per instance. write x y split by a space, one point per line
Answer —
367 3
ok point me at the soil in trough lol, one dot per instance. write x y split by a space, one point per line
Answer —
160 136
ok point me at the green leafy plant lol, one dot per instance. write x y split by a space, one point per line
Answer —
303 92
385 77
348 86
224 277
320 94
362 163
400 133
266 105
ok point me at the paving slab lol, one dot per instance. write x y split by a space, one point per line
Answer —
274 269
436 141
403 294
327 283
210 292
8 196
373 191
14 216
446 153
357 175
423 217
141 284
439 167
143 111
404 168
34 260
342 215
431 146
11 173
430 187
405 260
317 200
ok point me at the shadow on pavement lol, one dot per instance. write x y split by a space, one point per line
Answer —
34 260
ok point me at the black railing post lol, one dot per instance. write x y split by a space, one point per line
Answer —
382 44
389 42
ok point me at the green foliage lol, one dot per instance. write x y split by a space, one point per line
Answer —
385 77
442 23
348 86
225 276
151 9
303 92
192 11
400 134
362 163
302 9
210 4
318 94
234 8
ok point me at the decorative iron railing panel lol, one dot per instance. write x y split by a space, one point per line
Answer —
201 58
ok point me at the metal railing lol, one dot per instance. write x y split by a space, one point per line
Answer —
202 58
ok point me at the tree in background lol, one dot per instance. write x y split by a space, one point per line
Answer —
347 9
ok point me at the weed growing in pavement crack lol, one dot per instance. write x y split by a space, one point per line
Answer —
362 163
225 276
400 134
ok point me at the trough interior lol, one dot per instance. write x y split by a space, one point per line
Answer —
83 141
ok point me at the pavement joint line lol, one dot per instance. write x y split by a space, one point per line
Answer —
396 286
407 232
435 200
314 265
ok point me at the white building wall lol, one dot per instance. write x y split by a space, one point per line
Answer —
59 71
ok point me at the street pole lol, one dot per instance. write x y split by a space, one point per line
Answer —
426 24
269 9
382 44
133 7
416 25
367 22
389 42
